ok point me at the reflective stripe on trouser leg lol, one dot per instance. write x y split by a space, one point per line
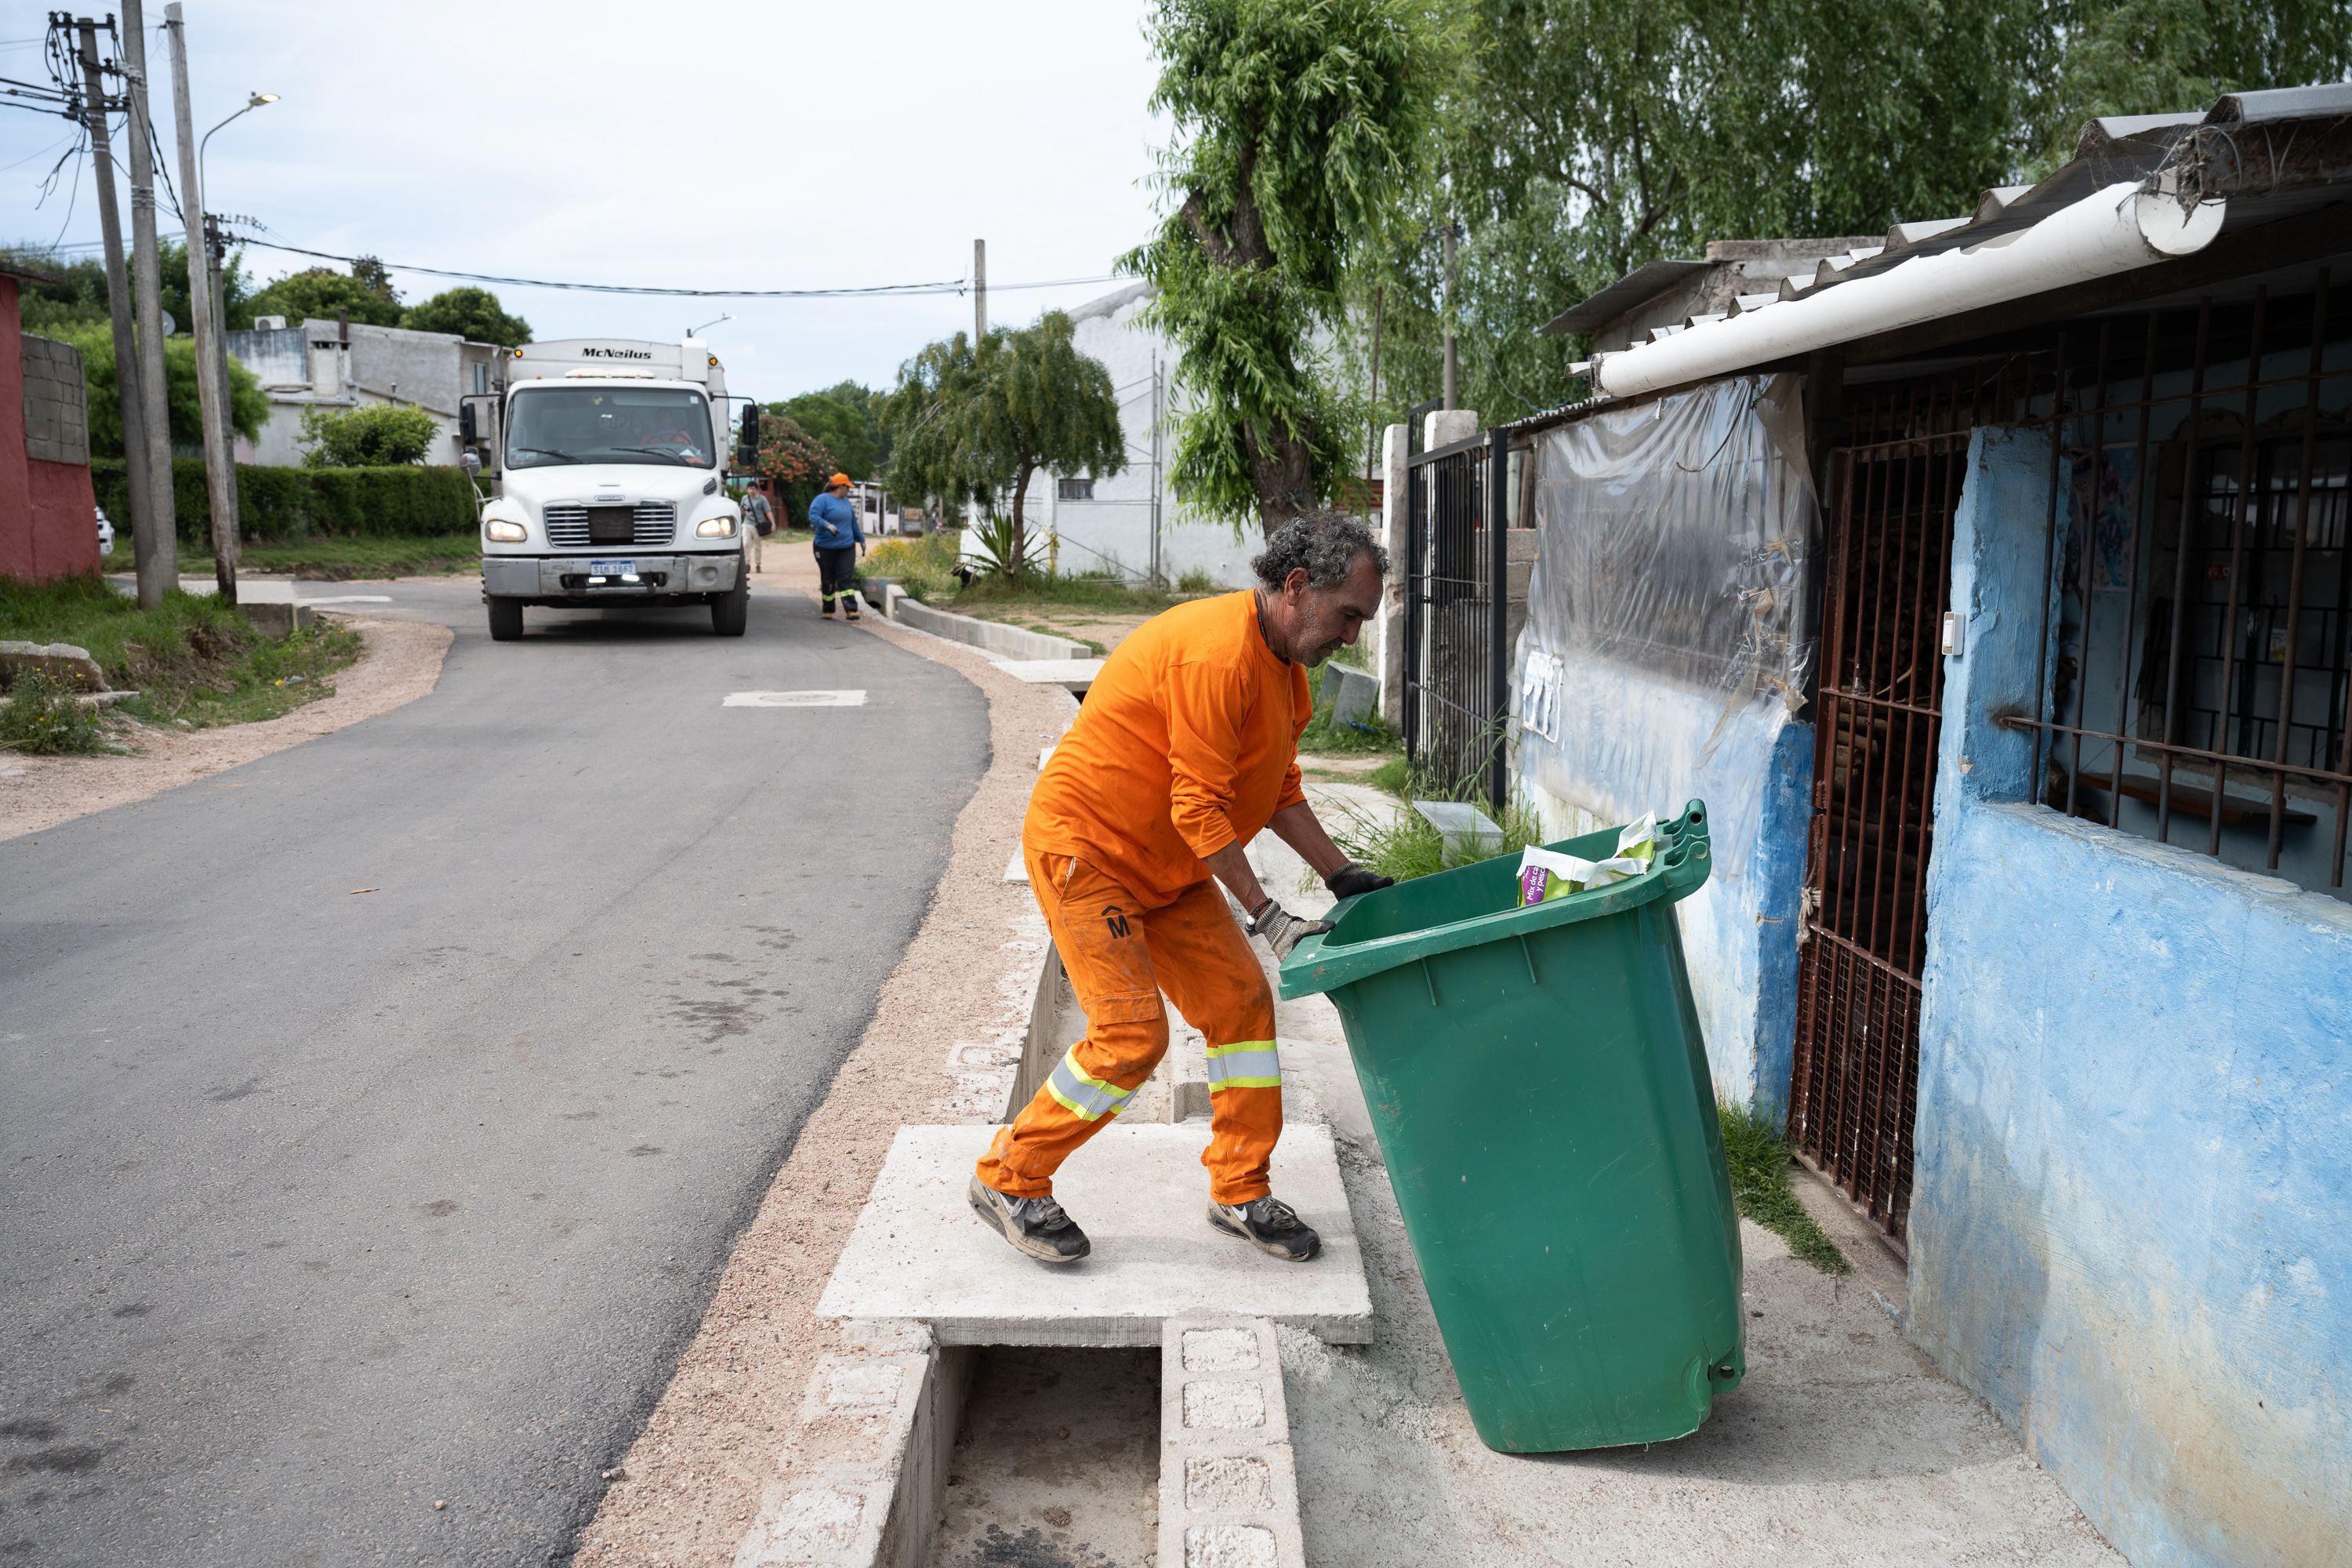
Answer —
1088 1099
1246 1064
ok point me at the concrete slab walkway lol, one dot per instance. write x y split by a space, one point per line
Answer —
919 1255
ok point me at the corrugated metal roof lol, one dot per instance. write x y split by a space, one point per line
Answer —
2189 156
1639 287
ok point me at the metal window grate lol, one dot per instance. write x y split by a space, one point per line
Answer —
1456 575
2200 661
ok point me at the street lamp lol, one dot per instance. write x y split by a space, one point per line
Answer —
251 103
698 332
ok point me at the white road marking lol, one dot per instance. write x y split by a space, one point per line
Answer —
794 699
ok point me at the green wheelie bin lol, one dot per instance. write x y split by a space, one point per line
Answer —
1540 1092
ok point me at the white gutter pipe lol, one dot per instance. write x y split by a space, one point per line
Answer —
2113 230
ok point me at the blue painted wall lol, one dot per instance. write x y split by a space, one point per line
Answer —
1739 931
2131 1227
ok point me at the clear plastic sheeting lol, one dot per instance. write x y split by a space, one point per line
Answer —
1666 644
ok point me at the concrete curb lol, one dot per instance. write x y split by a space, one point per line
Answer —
1228 1480
875 1504
993 636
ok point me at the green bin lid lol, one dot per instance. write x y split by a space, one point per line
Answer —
1358 945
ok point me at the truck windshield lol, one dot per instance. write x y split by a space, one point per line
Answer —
608 424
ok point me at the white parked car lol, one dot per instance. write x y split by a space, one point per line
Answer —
105 531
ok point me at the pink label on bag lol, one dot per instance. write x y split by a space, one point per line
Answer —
1534 882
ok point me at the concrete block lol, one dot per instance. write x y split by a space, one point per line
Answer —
64 661
276 618
1228 1476
1073 675
1354 694
892 597
872 1500
1444 426
919 1253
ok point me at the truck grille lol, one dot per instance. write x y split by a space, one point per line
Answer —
575 527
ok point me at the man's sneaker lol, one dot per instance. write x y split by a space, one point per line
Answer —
852 612
1036 1227
1269 1225
827 613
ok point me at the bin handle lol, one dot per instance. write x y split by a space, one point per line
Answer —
1684 852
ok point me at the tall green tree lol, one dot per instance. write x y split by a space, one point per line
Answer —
1585 137
474 314
845 417
248 405
318 292
1296 127
75 292
969 420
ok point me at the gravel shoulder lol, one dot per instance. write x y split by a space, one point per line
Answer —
954 1009
402 661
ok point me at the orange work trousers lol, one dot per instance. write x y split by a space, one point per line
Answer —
1120 956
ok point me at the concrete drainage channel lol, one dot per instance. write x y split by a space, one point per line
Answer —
1124 1412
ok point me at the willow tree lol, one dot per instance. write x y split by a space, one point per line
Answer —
969 420
1296 125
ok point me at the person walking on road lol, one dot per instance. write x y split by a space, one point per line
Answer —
1186 748
839 542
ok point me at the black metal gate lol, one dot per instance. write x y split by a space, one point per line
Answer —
1457 660
1854 1096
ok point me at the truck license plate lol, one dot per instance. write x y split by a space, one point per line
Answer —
612 568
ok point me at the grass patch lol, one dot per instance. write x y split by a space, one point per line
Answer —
1081 590
1759 1186
1407 845
924 565
192 660
1395 777
40 718
336 560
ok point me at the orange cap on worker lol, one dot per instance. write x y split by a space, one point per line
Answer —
838 482
1186 749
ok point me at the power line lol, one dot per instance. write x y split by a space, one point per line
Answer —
936 287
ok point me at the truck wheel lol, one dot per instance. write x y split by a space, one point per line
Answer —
731 611
506 620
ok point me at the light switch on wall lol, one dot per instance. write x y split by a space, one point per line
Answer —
1952 636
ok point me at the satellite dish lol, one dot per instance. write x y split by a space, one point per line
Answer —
170 326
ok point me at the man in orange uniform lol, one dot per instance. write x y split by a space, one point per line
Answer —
1186 748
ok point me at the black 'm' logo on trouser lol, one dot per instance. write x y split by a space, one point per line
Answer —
1114 921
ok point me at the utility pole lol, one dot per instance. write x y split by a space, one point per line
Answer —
1452 364
117 308
212 392
158 561
979 292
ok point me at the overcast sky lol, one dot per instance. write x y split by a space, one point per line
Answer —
679 143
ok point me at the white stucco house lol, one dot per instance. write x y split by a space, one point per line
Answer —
343 365
1132 522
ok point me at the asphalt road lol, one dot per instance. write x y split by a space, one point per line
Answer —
318 1205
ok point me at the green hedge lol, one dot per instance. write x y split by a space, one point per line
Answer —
287 504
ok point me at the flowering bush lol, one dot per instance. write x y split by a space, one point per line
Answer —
797 461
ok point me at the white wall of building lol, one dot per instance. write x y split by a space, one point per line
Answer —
323 364
1114 529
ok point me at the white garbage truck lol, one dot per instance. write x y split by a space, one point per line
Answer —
611 457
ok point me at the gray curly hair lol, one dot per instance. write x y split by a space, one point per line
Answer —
1326 544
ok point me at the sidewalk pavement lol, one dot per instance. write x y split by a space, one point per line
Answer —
1843 1446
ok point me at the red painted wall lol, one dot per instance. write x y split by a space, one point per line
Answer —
48 526
16 529
65 519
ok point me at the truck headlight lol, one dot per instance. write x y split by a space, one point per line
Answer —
498 530
715 528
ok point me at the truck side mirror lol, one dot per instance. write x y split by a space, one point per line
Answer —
468 431
751 436
746 457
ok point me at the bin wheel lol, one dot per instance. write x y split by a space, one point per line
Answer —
506 620
731 612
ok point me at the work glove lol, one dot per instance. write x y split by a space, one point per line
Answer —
1281 930
1351 878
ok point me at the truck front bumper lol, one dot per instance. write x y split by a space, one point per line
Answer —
567 579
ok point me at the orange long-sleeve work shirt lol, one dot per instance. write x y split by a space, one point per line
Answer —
1187 741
